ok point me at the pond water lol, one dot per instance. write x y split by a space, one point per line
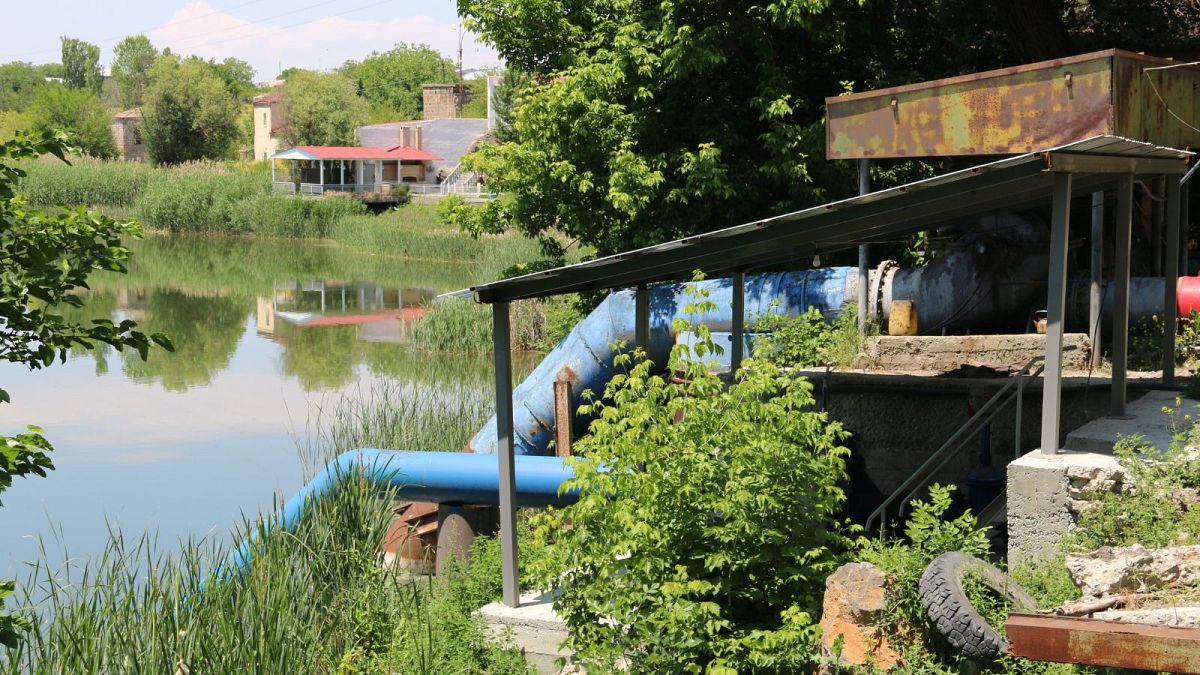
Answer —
185 443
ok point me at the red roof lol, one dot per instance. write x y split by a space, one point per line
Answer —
354 152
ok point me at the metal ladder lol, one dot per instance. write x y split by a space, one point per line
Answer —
1012 391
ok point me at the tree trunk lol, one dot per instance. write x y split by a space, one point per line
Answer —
1035 30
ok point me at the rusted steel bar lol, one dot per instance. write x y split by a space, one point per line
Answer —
562 418
1094 642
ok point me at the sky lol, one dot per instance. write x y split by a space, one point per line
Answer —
268 34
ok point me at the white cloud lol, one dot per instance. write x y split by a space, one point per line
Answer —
198 28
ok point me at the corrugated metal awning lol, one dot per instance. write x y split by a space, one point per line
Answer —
1006 185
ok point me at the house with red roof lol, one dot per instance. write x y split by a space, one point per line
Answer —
317 169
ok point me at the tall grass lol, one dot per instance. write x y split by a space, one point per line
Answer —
86 181
315 600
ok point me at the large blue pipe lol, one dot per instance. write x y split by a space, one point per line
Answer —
444 477
584 356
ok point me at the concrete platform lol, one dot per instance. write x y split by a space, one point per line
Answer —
1144 417
534 627
1046 493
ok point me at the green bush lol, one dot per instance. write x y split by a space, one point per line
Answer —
705 526
809 340
197 197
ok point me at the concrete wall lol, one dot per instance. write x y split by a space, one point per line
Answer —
899 420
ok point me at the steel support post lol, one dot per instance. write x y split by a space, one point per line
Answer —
322 163
1171 272
1123 227
864 186
738 324
641 318
1097 279
504 453
1156 223
1184 217
1056 290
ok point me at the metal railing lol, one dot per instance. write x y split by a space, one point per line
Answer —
1013 390
318 189
286 188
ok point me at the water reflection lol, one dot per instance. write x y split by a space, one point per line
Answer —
186 442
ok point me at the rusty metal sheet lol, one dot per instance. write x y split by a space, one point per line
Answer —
1103 643
1140 113
1017 110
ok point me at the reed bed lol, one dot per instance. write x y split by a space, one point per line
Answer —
315 600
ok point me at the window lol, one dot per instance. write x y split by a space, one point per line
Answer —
264 119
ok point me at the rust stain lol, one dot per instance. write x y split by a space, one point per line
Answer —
1104 643
1017 110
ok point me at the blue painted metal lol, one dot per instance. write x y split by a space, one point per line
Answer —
444 477
585 355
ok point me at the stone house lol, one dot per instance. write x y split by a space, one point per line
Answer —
268 125
127 135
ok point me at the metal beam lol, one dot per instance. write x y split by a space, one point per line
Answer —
1093 642
897 212
641 318
1097 277
1077 163
1123 228
864 186
504 453
1056 296
738 327
1171 274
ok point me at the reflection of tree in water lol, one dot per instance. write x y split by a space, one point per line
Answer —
205 331
97 305
320 357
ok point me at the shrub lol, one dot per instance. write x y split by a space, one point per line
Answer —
703 542
808 339
291 216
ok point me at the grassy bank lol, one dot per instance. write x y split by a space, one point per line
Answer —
313 601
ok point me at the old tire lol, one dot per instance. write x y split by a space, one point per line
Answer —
942 596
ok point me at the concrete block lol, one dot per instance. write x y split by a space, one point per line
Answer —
1045 494
534 627
947 352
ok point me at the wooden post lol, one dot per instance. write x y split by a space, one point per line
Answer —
562 418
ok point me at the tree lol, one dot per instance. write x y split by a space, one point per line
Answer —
238 77
504 104
392 80
321 109
78 112
18 82
81 65
188 113
47 259
132 59
653 120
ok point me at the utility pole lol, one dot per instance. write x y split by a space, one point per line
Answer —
460 71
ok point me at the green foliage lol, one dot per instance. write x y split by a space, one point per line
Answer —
313 601
189 113
454 326
322 109
644 126
391 81
505 102
238 77
198 197
1148 509
132 59
18 83
48 259
808 339
11 122
81 65
706 524
79 113
84 181
291 216
928 534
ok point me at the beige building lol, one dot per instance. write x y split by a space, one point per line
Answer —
127 135
268 121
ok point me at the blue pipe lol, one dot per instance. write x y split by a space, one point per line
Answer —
584 356
444 477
